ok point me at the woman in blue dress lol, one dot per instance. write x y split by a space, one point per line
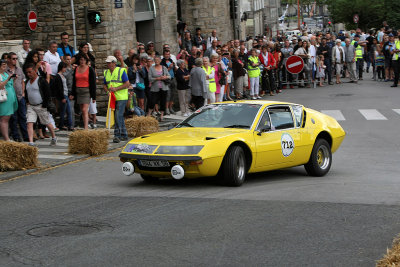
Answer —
8 107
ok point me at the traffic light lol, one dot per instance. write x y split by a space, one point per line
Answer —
94 17
233 8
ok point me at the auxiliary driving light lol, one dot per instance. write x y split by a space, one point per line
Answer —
177 172
128 168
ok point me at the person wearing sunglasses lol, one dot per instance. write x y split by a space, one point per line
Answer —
19 116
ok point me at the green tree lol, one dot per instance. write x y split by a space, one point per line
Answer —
392 13
370 12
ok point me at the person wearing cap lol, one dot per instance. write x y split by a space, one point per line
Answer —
350 60
396 61
338 59
116 82
359 55
387 52
150 48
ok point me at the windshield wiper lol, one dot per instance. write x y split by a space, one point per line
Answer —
185 124
237 126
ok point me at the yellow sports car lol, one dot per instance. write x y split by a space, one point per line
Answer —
231 139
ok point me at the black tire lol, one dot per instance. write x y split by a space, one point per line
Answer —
320 160
149 179
234 166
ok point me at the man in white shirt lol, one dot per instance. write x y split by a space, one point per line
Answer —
212 38
24 52
52 57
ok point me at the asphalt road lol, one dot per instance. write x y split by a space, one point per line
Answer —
89 214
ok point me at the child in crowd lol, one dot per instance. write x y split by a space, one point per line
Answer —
320 69
380 64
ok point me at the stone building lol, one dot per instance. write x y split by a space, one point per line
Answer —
124 23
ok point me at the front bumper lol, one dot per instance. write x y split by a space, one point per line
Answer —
194 166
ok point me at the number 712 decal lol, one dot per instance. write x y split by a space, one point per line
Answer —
287 144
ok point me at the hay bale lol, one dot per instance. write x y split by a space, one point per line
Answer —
392 257
92 142
17 156
138 126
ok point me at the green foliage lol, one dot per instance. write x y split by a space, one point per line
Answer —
371 12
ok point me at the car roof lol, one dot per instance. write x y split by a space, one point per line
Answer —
259 102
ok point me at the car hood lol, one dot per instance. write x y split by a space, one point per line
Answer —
186 136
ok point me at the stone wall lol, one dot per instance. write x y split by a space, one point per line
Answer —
209 15
54 17
165 25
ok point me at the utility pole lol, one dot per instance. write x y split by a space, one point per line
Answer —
254 17
298 15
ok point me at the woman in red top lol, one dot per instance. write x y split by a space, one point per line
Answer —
84 87
278 63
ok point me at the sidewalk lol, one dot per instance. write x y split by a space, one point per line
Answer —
51 156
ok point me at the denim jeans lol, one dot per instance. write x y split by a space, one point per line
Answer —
64 107
19 118
119 127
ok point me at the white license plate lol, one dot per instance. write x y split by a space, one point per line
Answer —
154 163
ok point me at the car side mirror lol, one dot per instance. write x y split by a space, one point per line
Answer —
263 129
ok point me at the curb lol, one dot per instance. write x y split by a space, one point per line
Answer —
5 176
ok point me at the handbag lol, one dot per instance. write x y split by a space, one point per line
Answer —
3 95
140 86
51 107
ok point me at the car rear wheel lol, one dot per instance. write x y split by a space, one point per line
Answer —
320 160
234 166
149 179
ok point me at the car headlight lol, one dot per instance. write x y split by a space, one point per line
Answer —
180 150
139 148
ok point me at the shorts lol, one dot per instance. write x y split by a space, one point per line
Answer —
139 93
92 107
33 112
172 90
388 63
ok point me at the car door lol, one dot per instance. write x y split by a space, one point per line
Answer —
276 145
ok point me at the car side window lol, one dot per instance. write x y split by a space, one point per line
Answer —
298 114
264 121
281 117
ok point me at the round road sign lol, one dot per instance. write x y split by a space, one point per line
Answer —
294 64
356 18
32 20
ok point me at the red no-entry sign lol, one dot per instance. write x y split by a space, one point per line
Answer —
294 64
356 18
32 20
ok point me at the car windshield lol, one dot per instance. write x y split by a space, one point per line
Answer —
233 115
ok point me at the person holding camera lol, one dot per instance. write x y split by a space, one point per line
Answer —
8 99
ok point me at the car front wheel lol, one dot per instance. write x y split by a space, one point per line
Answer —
320 160
234 166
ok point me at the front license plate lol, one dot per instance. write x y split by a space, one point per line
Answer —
154 163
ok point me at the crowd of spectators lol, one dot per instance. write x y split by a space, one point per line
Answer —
157 83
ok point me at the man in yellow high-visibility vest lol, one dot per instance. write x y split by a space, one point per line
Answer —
396 61
116 81
359 55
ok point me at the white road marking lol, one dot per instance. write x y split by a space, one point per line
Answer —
397 110
45 156
372 115
336 114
